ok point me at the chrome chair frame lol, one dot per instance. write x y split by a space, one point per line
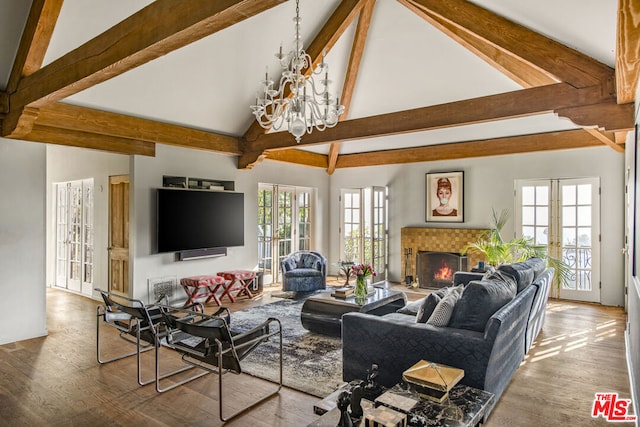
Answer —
221 350
131 317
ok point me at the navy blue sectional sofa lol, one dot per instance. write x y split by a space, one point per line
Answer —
489 352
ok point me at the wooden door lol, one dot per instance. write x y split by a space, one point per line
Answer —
119 234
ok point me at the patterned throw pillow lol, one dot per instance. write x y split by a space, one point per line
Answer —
429 304
443 311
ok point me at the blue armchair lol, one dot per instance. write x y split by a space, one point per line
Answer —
304 271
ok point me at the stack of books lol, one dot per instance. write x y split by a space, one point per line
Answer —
343 292
432 380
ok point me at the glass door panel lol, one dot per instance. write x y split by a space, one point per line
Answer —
564 215
265 233
285 225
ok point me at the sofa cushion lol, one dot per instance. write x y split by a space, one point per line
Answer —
481 299
524 272
430 303
443 311
412 307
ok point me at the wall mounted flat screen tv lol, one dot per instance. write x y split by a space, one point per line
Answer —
191 219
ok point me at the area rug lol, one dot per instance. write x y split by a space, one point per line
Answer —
312 363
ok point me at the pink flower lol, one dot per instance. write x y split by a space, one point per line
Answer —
363 270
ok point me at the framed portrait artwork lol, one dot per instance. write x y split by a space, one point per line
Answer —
444 197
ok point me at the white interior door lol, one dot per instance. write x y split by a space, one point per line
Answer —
564 215
74 236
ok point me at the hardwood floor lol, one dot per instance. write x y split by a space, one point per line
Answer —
56 381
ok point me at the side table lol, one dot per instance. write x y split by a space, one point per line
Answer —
465 407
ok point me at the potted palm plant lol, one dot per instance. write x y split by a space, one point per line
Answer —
497 251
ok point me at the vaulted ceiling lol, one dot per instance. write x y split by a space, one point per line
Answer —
421 79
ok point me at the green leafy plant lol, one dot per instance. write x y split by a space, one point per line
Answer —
497 251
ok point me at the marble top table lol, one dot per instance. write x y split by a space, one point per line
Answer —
466 406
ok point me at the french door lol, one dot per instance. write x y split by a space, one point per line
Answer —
74 235
363 229
285 217
564 214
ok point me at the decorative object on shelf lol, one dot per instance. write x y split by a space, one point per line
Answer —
445 197
362 271
299 101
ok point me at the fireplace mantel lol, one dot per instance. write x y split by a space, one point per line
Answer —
436 239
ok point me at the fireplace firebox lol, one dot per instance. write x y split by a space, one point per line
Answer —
435 269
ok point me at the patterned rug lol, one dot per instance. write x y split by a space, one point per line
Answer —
312 363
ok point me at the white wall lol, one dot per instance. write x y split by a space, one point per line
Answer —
70 164
146 177
22 240
489 183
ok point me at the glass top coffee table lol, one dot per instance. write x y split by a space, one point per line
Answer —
323 313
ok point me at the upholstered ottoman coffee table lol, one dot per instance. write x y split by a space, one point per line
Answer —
322 313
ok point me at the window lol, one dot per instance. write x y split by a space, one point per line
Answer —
363 229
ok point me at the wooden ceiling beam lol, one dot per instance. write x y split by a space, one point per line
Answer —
567 64
71 117
521 103
357 49
49 135
607 115
627 50
607 138
35 40
161 27
481 148
335 26
522 72
298 157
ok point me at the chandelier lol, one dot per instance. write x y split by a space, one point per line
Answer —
299 101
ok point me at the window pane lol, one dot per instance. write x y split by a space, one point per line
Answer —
568 236
528 216
584 215
584 194
542 234
528 195
569 195
584 237
528 232
542 196
569 216
542 215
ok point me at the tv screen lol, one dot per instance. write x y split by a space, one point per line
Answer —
191 219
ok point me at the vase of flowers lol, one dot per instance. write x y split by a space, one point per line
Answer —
362 271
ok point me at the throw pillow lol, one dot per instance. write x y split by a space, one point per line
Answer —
522 274
430 303
481 299
412 307
443 311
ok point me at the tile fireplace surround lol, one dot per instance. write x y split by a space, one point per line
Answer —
436 239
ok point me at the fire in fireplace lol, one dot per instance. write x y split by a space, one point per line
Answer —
435 269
